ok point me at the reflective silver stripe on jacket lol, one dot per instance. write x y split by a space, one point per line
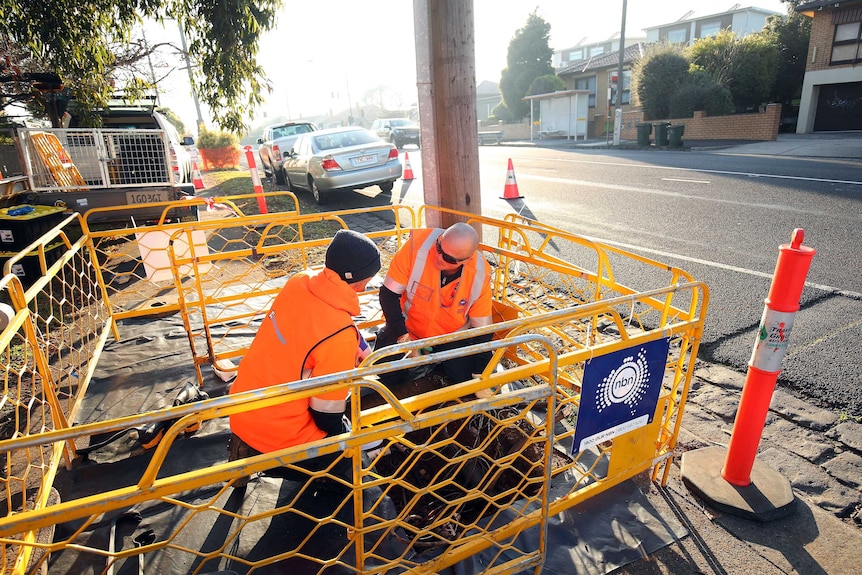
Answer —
419 266
275 327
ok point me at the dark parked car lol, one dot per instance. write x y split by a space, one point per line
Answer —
399 131
348 158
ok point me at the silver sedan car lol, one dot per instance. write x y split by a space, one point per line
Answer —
347 158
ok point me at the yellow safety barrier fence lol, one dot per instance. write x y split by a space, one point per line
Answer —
136 271
217 310
453 477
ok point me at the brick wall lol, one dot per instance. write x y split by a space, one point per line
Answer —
820 44
759 126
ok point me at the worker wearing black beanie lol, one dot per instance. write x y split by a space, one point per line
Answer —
308 332
352 256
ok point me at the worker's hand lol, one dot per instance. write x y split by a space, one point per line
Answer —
484 393
404 339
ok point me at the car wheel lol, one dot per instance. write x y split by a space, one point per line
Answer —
287 185
319 197
387 187
266 173
279 175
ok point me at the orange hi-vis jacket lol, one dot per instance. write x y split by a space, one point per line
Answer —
308 332
430 309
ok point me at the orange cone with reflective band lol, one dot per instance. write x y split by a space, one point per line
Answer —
510 192
408 171
196 176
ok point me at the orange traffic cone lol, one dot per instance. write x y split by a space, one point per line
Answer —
408 171
510 192
196 175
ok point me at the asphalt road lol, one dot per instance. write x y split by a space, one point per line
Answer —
719 216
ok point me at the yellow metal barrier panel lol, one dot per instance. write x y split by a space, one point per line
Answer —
592 354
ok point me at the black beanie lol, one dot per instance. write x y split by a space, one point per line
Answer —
352 256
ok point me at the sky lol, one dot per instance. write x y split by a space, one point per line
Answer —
320 61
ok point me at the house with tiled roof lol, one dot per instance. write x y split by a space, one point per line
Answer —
596 74
584 50
740 20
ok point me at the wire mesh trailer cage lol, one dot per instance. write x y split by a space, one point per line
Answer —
590 377
78 158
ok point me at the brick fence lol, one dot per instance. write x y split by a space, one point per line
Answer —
757 126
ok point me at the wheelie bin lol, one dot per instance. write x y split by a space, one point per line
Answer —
661 134
674 134
644 130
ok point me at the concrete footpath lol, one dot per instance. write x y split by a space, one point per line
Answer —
819 454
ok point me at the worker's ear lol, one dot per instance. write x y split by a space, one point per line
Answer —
360 286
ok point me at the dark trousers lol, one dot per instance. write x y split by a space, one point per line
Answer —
343 468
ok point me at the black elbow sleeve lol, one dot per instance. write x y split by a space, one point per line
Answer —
390 303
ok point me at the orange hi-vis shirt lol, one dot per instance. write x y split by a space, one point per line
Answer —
309 328
430 309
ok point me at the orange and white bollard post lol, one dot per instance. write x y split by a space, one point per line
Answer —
743 486
782 303
255 178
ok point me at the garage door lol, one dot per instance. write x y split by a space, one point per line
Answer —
839 107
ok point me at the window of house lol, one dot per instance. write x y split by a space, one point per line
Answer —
588 84
627 89
710 29
596 50
677 36
847 45
575 55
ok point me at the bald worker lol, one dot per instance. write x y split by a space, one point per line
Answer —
437 283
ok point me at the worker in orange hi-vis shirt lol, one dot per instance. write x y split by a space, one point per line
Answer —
308 332
438 283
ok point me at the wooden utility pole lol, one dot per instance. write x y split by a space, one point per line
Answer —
446 76
618 112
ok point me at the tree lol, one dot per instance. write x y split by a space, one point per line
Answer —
791 36
746 66
529 57
546 85
656 76
73 39
700 91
